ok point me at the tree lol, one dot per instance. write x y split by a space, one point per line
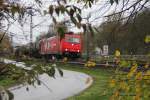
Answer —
123 36
59 28
108 33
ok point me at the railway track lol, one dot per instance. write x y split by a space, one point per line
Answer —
107 64
99 64
83 63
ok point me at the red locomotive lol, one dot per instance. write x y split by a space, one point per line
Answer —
69 46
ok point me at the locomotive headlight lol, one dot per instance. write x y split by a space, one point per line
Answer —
66 49
78 50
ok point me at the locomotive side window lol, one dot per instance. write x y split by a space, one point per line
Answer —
73 40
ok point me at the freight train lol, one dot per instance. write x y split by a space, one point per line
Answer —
70 45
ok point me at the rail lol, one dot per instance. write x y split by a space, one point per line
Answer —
110 58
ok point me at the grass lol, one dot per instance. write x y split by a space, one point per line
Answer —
96 91
7 82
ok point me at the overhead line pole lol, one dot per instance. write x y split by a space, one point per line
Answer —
31 31
11 40
87 38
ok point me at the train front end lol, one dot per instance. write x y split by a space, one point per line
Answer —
71 45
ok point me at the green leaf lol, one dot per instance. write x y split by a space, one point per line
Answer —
74 20
96 29
14 9
90 5
61 32
147 39
91 30
54 20
71 12
27 88
78 1
92 1
51 72
45 12
111 2
38 2
62 8
78 25
60 72
38 82
57 10
11 95
79 18
65 1
77 9
84 27
58 2
116 1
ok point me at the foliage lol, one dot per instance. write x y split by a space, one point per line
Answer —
147 39
90 64
131 85
28 75
59 29
122 36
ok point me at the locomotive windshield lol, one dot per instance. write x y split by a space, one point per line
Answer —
73 40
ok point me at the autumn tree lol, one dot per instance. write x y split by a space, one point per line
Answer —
118 34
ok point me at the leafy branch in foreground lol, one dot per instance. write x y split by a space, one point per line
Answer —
27 75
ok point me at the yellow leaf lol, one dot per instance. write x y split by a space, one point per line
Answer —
112 83
116 94
117 53
146 65
123 85
137 97
138 76
130 74
147 39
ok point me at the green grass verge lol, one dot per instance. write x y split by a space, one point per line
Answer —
7 82
100 84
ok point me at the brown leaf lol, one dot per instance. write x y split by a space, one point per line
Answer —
84 27
62 8
71 12
78 25
51 9
57 10
54 20
74 20
79 18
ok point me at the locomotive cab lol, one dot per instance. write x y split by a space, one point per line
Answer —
71 45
